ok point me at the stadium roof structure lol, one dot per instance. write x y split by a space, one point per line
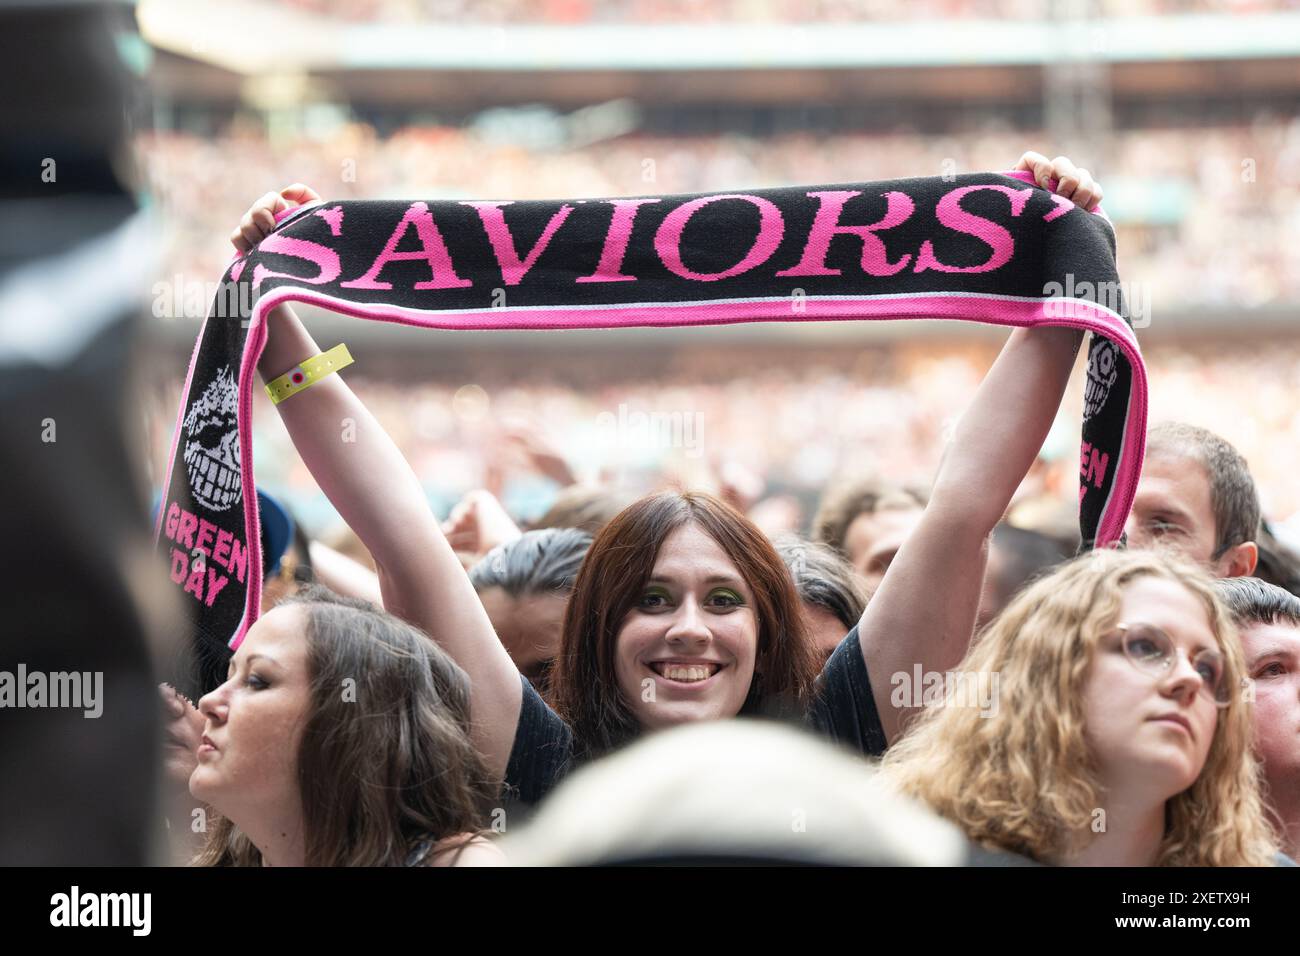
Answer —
249 37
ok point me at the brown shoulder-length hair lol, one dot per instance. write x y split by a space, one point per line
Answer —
612 578
385 761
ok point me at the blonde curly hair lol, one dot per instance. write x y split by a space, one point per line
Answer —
1024 780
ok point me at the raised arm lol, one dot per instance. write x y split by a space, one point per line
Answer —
364 475
342 575
925 608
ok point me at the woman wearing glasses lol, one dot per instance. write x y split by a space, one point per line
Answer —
1121 732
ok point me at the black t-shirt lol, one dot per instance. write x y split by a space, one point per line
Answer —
542 752
843 710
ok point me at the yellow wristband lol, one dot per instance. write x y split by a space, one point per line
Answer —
308 373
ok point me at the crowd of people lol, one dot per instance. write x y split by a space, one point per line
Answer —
891 405
793 428
993 698
1217 202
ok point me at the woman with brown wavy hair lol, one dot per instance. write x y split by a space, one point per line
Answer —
637 657
341 738
1121 732
682 612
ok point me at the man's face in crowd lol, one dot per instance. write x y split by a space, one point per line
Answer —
1273 662
1172 509
873 539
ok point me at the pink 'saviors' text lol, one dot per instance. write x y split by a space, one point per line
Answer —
875 261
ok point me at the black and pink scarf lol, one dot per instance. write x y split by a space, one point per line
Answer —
985 247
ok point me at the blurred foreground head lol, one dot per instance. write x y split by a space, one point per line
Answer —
732 792
83 604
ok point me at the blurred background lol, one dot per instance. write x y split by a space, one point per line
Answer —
1187 111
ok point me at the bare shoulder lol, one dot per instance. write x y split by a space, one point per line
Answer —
455 851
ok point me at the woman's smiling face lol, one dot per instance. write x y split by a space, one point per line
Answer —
686 649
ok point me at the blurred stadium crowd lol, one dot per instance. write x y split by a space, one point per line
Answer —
1177 194
796 427
789 430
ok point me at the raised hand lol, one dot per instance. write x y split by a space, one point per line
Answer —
478 523
1063 177
183 730
259 221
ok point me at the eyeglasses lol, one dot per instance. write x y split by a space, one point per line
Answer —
1153 652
